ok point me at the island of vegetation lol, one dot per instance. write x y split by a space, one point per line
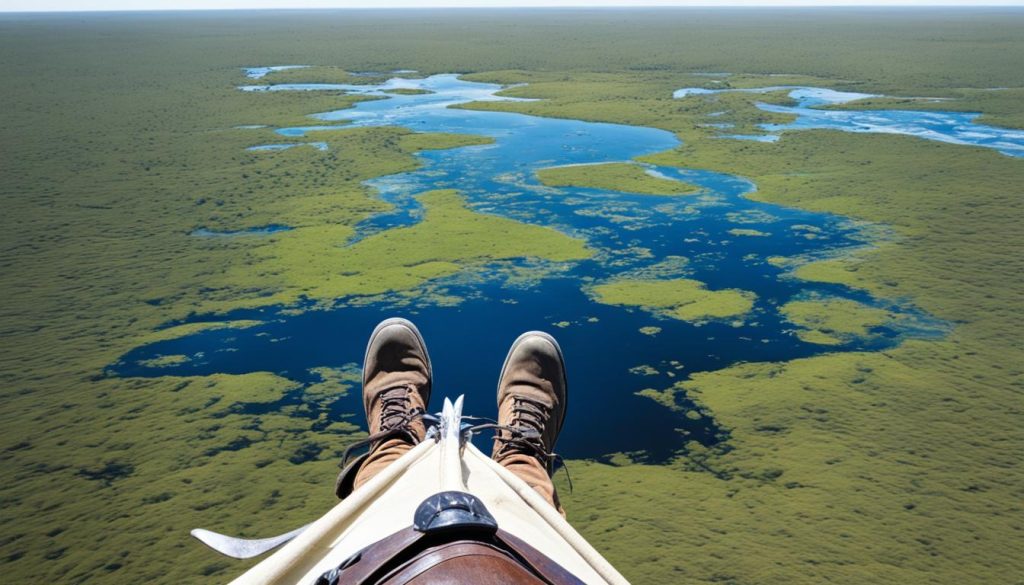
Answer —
679 298
624 177
831 321
312 262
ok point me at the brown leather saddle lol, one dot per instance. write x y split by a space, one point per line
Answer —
454 540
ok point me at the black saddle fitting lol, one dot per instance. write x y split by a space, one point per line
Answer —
445 511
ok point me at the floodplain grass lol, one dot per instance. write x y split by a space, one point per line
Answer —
895 466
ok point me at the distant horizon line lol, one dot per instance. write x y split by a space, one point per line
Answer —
964 5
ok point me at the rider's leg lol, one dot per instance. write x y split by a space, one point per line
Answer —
396 390
532 394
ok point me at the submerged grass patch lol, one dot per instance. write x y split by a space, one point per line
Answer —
624 177
408 91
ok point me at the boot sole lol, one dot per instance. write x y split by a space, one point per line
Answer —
561 360
419 337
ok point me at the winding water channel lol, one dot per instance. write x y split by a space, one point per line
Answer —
604 345
952 127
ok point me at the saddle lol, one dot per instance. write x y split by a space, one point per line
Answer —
454 540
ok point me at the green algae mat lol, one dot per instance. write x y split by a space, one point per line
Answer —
124 136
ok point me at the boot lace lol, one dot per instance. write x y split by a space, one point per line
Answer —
395 419
525 435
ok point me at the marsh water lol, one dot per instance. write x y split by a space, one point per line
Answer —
951 127
717 236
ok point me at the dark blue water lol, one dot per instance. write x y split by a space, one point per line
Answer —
634 236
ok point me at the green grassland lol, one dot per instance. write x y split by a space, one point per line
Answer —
625 177
120 139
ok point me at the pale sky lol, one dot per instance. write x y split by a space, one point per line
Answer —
88 5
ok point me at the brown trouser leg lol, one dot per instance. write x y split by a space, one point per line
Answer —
530 470
380 457
525 467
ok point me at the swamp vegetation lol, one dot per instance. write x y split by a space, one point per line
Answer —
123 134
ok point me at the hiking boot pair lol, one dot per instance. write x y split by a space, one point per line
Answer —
396 389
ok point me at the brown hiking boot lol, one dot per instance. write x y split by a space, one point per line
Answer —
396 389
532 392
